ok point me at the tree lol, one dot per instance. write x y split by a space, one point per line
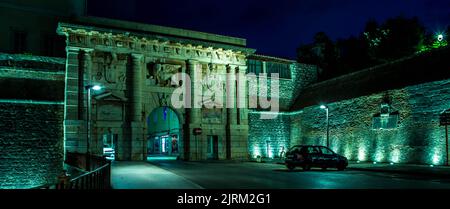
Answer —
402 37
352 55
321 52
395 38
373 36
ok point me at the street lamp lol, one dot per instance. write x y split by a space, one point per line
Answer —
324 107
89 88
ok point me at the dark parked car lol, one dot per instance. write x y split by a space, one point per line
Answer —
308 156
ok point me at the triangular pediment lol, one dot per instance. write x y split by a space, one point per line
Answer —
109 96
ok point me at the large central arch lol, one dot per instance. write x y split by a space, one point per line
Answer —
164 131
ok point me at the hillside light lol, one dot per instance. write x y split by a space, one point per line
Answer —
440 37
324 107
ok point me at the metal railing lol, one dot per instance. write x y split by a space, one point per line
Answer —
99 178
98 174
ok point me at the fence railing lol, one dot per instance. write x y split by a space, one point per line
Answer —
98 174
99 178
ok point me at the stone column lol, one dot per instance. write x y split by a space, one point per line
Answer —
196 90
242 95
230 107
95 147
193 115
239 131
137 134
72 122
231 96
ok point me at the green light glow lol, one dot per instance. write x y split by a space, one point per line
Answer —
362 154
348 152
379 155
395 156
256 151
436 158
438 43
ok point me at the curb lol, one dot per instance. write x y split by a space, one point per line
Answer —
424 174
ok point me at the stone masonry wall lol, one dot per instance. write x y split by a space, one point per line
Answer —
302 75
31 144
268 137
418 138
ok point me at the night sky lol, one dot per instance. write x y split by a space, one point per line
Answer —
274 27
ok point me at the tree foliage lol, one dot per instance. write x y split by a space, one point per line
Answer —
379 43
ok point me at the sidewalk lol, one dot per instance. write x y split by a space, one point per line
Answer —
143 175
410 169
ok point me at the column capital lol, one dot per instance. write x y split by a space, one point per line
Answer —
192 62
76 49
137 56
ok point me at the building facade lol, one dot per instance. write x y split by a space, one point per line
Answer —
134 108
389 113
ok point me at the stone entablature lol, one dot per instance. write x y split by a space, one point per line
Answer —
149 45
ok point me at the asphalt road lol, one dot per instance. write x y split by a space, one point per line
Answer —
226 175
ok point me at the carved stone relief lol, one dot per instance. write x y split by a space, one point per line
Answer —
161 74
109 68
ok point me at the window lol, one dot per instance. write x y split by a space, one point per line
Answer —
254 66
313 150
389 122
282 69
326 151
20 41
385 121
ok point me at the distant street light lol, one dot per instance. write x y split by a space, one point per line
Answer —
324 107
88 123
440 37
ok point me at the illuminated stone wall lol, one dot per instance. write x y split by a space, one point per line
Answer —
418 137
302 76
267 137
31 144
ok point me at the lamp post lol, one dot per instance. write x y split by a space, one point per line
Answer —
89 88
324 107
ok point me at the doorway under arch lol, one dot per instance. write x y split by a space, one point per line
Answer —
163 133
